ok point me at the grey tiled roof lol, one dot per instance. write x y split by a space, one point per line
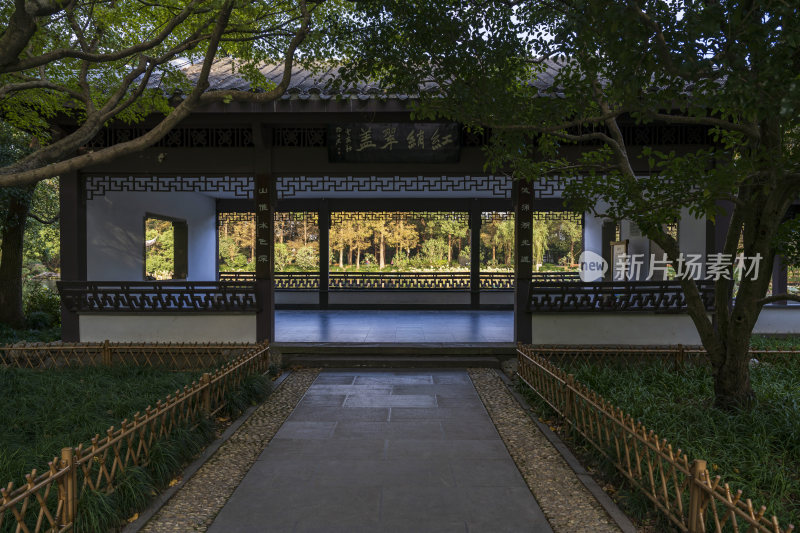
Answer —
306 84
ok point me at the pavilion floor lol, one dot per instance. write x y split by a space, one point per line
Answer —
406 326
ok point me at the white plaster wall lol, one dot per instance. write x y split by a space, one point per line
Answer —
497 298
178 327
297 297
779 319
115 233
614 328
593 239
637 245
692 234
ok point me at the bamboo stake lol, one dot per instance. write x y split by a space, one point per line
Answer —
68 487
696 497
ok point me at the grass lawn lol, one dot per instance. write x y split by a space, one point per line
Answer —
757 451
46 410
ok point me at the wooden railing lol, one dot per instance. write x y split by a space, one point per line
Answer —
366 281
161 296
399 281
616 296
684 491
48 500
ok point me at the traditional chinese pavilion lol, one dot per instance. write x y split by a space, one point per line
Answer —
327 155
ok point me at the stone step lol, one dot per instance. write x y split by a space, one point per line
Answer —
307 360
502 350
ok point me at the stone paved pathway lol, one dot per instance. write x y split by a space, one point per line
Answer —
367 450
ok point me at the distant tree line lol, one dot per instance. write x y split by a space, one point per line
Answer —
388 241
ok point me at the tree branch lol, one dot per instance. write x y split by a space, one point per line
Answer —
779 298
750 131
45 221
39 168
10 63
37 84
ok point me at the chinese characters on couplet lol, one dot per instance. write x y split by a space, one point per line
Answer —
688 266
263 214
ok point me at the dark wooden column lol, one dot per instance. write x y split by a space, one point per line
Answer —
72 202
324 221
523 206
475 254
780 278
265 320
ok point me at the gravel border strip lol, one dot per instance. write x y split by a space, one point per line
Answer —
187 474
566 502
196 504
610 506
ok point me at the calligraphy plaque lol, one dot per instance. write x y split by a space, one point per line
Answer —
394 142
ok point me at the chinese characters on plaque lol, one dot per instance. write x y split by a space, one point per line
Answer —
394 142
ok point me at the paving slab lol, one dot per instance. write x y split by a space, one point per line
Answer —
373 450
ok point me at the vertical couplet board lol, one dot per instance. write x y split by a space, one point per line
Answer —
475 254
523 259
324 221
265 321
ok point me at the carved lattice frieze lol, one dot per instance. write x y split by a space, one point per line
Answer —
238 186
393 186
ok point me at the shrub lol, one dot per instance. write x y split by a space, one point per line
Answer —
282 256
37 298
306 258
39 320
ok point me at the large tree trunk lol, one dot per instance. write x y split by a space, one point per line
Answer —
358 258
383 253
732 388
13 225
341 258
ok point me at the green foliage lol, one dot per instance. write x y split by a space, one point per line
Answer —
253 390
787 241
46 410
306 258
133 488
42 241
282 256
38 298
96 512
435 251
160 248
9 335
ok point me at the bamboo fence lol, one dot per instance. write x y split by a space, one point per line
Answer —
174 356
684 491
679 355
48 501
